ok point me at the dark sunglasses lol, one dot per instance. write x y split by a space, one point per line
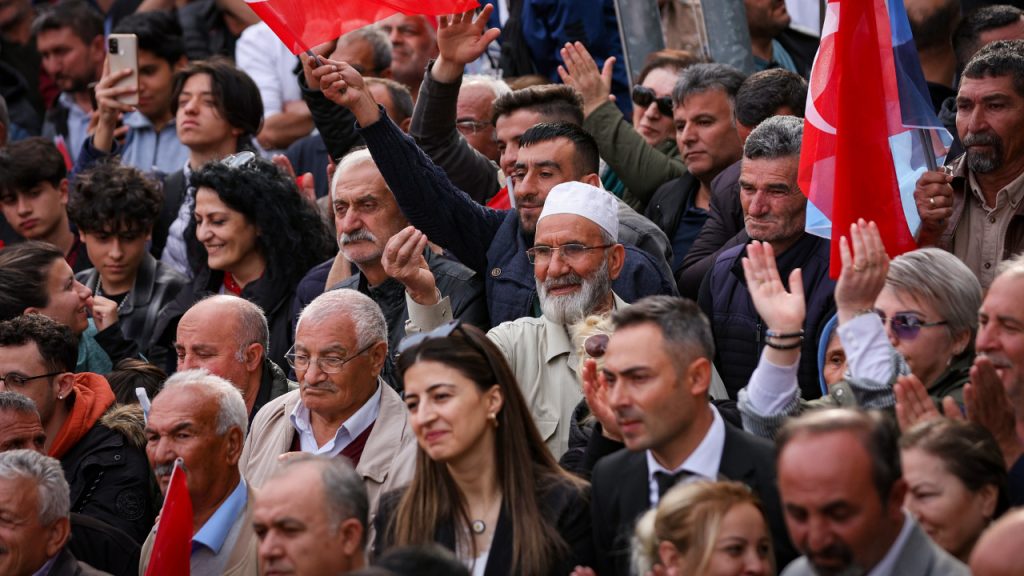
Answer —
643 96
907 325
596 345
443 331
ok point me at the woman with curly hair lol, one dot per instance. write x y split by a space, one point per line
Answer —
485 484
254 236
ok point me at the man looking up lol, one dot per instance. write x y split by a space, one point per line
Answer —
200 418
229 337
69 38
774 210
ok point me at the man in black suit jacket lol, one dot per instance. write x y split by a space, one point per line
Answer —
655 397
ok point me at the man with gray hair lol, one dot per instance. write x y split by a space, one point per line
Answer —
20 427
35 506
229 337
704 109
311 518
201 419
774 211
342 407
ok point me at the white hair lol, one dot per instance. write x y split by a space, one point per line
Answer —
48 477
231 412
356 157
497 86
370 326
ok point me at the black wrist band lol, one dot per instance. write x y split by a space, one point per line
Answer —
792 346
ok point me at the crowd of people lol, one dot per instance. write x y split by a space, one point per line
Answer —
565 326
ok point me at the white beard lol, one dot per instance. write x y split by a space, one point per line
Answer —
569 309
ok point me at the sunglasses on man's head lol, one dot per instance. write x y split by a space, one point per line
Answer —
907 325
643 96
596 345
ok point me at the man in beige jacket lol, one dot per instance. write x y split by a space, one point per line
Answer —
201 418
342 406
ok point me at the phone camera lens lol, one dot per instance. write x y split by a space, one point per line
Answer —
112 45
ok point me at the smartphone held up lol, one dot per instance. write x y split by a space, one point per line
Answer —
122 52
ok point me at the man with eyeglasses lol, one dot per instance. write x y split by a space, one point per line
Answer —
575 258
107 471
342 406
229 337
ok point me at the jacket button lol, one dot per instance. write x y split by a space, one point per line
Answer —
496 272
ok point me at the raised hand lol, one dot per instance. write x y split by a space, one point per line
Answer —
104 312
580 71
933 196
595 390
913 404
309 64
344 86
403 260
782 311
863 274
461 39
108 108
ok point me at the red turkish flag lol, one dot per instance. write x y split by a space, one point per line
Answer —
172 547
303 24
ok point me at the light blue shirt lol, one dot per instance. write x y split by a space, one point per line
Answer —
152 150
213 534
45 568
78 124
347 432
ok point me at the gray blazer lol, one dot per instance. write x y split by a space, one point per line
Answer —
919 557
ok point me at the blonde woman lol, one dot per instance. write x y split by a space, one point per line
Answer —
704 529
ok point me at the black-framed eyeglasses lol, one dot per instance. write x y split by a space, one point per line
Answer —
643 96
570 252
907 325
239 159
326 364
13 379
443 331
596 344
468 126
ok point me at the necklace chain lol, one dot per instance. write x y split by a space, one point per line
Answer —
120 305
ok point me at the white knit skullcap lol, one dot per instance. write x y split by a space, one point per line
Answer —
590 202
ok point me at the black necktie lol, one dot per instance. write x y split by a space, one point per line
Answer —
666 480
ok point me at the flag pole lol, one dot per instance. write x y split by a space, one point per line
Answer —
926 145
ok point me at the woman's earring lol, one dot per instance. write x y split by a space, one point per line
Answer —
493 418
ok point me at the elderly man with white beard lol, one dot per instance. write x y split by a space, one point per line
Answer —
575 258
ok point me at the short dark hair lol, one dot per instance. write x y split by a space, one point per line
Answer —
235 95
116 199
57 345
877 433
400 96
967 450
24 271
586 159
1000 58
967 36
84 20
684 327
26 163
132 373
700 78
427 560
936 28
159 32
764 92
555 102
669 59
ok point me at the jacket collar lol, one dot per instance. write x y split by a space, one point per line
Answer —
386 437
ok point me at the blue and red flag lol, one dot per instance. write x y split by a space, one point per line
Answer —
870 130
304 24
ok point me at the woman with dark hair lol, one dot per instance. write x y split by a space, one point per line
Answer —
956 481
485 486
254 236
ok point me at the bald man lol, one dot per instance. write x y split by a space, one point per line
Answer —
997 551
229 337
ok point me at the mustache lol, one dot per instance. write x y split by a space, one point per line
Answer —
361 235
166 468
983 139
567 280
325 386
